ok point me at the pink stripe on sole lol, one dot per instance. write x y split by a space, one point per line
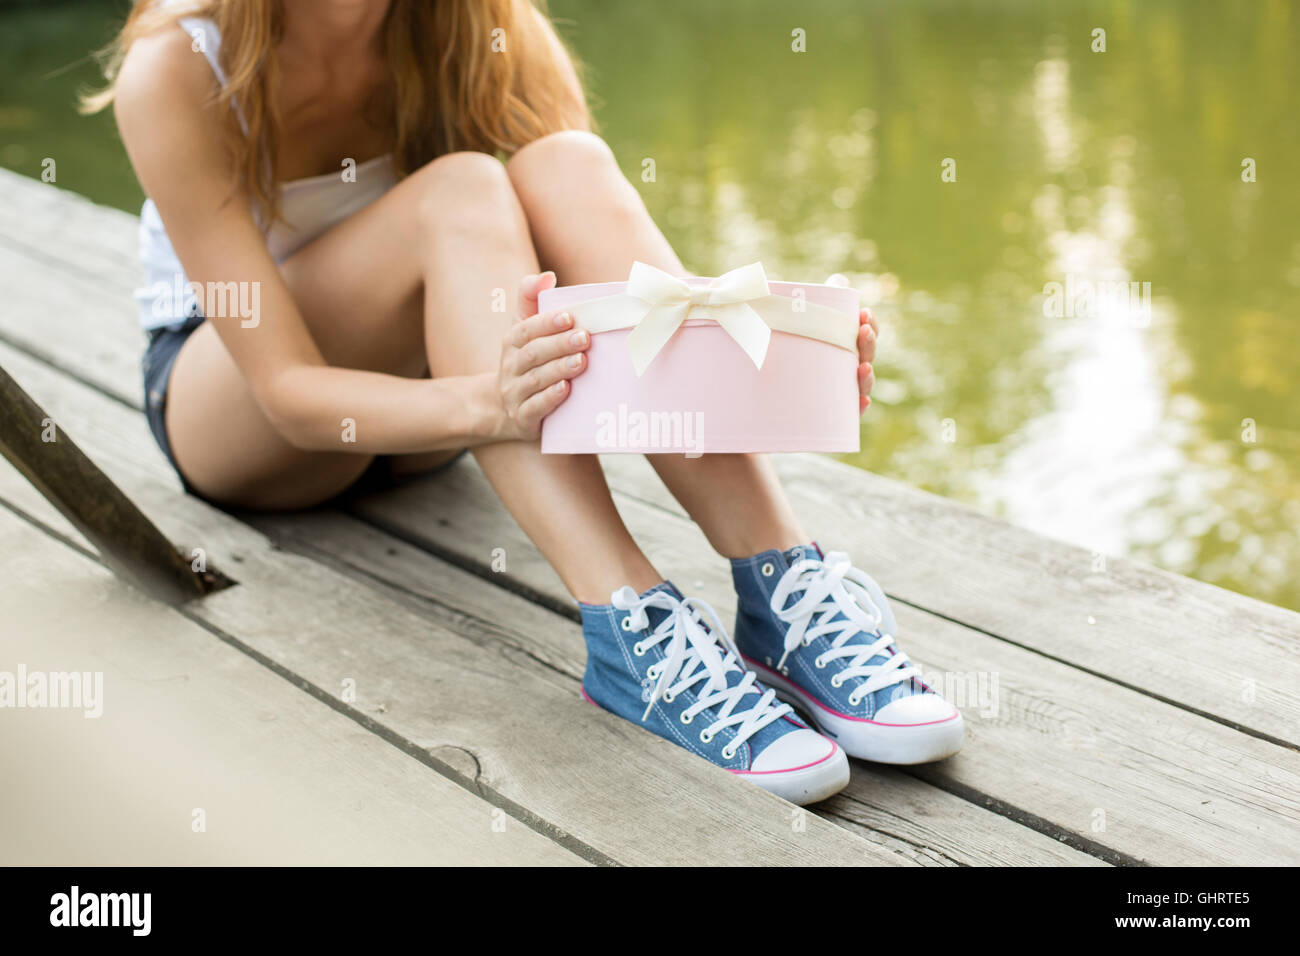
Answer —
861 720
752 773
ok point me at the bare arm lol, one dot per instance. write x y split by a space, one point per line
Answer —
173 137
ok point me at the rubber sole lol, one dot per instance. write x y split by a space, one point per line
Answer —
810 783
898 744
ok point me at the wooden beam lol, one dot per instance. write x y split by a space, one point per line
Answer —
476 708
126 539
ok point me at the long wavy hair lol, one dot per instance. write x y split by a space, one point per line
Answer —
450 90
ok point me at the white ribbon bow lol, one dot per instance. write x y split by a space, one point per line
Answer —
656 304
725 300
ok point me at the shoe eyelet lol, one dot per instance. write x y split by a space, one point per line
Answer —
819 663
836 680
687 718
627 623
854 700
727 752
667 697
768 569
638 649
705 736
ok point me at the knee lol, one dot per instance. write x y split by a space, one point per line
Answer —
571 152
552 174
465 176
467 181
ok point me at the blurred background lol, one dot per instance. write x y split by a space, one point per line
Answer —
1164 427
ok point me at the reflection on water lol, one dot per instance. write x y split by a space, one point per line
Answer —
1148 409
1120 419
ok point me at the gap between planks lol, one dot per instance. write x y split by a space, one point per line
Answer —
1001 801
1149 785
456 703
187 722
1145 629
910 502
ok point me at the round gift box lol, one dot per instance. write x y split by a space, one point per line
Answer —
703 394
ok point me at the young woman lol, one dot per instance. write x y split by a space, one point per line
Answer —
331 168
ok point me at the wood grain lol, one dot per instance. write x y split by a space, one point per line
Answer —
69 266
883 804
517 736
1142 716
1111 770
188 722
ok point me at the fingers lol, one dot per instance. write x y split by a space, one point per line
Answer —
541 377
541 353
868 334
869 318
866 343
530 287
866 380
547 348
538 406
545 323
544 376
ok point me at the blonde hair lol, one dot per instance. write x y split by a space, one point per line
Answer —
450 90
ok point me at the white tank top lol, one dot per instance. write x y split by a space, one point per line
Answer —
308 207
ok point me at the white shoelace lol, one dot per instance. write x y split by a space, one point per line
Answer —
830 586
695 656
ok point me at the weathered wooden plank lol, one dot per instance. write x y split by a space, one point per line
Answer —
935 563
71 324
517 736
186 722
68 268
60 225
891 808
1064 749
1211 651
898 811
936 827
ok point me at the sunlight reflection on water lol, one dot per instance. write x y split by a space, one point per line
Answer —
1122 425
1164 427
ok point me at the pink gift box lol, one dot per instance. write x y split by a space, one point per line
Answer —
702 393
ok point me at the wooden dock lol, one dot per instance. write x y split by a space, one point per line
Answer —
371 656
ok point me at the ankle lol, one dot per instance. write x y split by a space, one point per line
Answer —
747 542
595 584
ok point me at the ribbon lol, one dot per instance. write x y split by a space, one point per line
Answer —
656 304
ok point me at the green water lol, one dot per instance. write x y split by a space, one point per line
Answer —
1163 425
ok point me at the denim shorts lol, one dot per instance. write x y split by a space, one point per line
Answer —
159 358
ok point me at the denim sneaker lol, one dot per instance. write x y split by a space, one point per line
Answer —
653 658
821 633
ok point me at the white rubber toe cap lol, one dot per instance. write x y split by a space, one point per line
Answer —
915 709
796 749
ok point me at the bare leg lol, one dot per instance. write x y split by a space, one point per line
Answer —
589 225
561 501
406 285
